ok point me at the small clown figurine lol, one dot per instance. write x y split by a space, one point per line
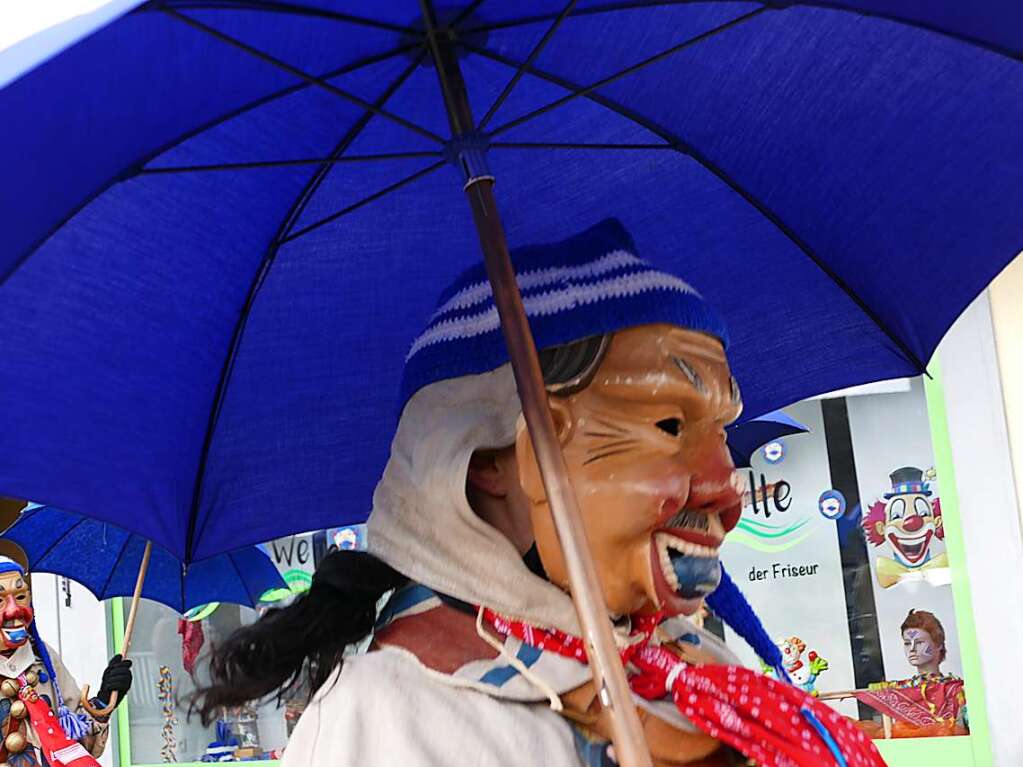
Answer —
909 521
802 672
37 694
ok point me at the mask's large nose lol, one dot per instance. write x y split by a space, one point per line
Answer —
10 604
714 485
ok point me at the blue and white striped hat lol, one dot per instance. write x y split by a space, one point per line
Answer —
589 284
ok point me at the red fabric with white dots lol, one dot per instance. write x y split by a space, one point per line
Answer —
59 749
753 713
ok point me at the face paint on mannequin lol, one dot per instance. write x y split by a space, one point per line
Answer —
646 454
921 651
16 613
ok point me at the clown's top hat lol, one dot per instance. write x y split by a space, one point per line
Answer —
908 480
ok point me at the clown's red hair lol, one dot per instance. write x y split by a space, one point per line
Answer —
876 514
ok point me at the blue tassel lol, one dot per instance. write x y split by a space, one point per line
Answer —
75 726
731 606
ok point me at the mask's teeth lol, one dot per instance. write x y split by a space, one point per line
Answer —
665 561
690 549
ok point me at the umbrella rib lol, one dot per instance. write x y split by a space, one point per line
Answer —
134 169
780 5
297 206
296 72
59 540
289 9
230 557
571 145
685 148
533 55
657 57
365 200
285 163
110 576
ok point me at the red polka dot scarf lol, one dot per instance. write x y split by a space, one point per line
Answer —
773 723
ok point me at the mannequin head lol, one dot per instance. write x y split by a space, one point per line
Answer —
641 420
923 640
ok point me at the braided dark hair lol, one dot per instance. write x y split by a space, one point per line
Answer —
299 646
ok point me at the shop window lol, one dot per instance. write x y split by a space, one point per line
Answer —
843 551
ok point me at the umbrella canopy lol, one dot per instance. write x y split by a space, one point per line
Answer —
224 222
105 560
746 437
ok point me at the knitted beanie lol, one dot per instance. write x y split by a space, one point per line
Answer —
589 284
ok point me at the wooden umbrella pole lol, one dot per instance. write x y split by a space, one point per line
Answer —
133 613
129 629
605 664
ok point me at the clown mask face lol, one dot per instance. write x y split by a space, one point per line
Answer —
921 650
646 454
17 615
791 650
910 525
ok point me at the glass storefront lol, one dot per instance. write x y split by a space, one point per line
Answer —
843 549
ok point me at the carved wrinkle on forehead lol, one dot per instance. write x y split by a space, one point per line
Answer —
690 373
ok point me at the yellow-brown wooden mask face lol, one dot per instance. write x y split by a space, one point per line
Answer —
646 454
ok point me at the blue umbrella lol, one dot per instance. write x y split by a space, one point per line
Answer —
106 561
228 218
746 437
224 222
110 562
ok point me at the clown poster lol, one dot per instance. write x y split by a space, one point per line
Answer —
900 494
841 550
906 524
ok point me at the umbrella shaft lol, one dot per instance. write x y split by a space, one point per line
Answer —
605 664
608 673
129 628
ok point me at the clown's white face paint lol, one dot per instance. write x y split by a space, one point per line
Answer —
15 611
921 650
910 526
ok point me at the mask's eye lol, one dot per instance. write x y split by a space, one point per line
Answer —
672 426
921 507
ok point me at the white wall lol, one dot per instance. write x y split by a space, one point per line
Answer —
990 517
78 633
1007 318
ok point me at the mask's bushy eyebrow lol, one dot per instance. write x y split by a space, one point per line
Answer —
690 372
736 394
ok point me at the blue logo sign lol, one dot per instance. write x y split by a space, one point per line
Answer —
774 452
831 504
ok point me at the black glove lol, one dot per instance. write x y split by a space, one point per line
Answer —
116 678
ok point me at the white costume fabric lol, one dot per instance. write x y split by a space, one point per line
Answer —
386 708
24 659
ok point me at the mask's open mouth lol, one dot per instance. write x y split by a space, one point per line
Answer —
685 558
913 549
15 631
